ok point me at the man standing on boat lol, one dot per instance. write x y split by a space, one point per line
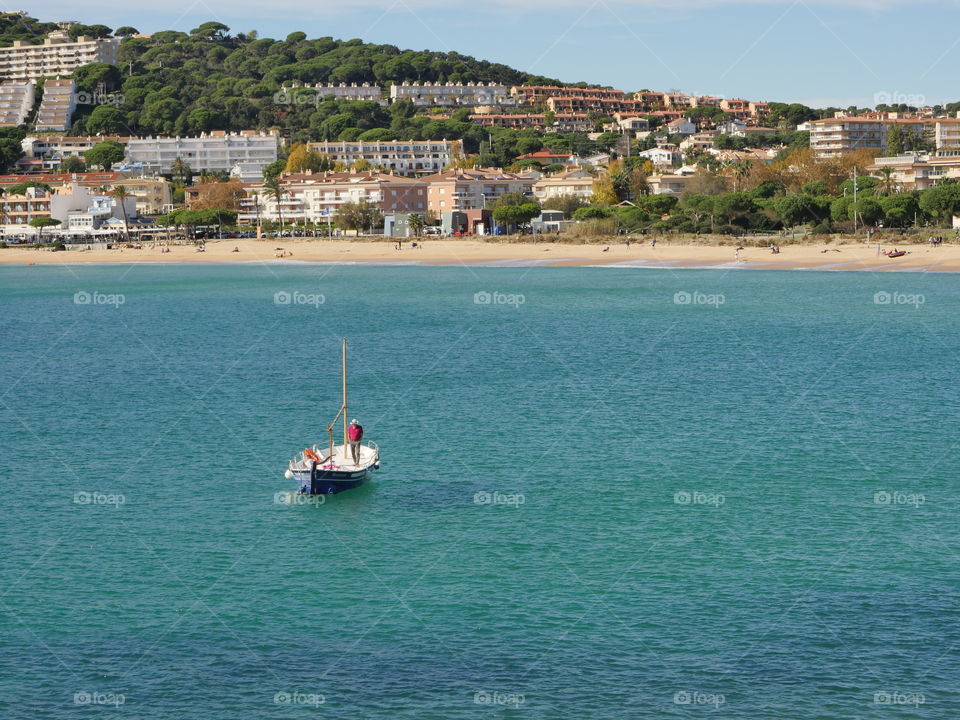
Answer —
354 436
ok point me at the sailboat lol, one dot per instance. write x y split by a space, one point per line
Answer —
331 469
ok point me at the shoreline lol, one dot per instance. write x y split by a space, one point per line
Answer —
473 253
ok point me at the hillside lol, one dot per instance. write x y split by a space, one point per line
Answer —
208 79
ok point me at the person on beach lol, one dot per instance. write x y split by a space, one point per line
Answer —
354 436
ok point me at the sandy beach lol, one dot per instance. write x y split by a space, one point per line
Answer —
920 258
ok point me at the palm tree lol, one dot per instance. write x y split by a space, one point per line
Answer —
741 170
276 191
121 193
887 183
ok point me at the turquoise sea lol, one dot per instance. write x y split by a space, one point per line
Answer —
606 493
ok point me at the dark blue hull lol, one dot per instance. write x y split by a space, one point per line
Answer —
325 482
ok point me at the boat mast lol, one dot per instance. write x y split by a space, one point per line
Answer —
344 395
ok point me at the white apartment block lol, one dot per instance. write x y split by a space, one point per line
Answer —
452 94
353 91
57 106
59 55
214 151
834 136
47 152
16 102
404 157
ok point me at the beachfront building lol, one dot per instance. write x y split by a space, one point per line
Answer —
57 106
316 197
472 189
451 94
82 209
151 195
58 55
17 98
918 171
19 210
217 150
403 157
572 183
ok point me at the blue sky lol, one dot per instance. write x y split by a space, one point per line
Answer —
840 52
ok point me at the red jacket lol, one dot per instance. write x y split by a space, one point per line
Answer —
355 433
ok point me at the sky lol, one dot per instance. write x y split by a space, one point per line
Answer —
818 52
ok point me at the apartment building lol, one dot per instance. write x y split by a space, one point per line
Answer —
472 189
590 103
562 122
452 94
83 209
576 183
58 55
366 91
831 137
736 107
214 151
47 152
919 171
316 197
17 98
21 209
151 195
404 157
57 106
539 94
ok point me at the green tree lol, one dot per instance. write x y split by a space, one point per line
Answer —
796 209
868 211
941 201
895 140
276 191
105 120
416 223
125 31
72 164
120 194
568 204
40 223
900 210
358 216
104 154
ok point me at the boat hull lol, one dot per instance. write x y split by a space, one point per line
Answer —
330 482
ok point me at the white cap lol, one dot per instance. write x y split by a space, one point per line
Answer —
353 422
